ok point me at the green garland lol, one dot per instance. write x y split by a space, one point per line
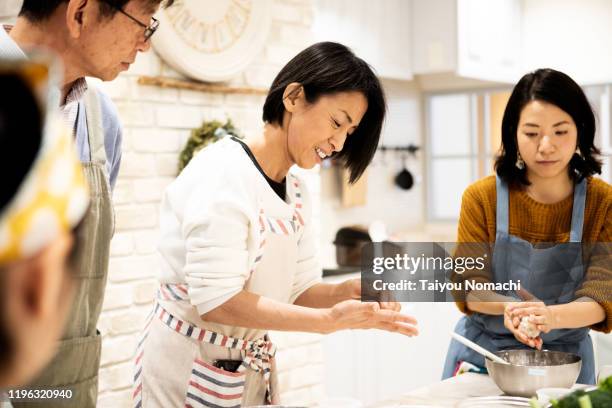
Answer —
201 137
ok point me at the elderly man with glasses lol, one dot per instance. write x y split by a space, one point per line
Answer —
96 38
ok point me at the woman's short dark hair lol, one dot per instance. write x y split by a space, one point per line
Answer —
558 89
37 10
327 68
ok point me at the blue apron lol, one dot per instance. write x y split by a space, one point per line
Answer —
552 275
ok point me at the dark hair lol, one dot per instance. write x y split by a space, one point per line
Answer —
556 88
327 68
20 134
37 10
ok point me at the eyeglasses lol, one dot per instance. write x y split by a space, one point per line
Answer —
149 30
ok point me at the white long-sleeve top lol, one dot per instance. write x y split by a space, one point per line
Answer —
210 232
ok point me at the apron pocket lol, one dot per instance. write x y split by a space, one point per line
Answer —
210 386
75 367
76 360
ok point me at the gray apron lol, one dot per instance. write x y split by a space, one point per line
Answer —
76 364
552 275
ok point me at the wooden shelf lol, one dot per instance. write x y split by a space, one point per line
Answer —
164 82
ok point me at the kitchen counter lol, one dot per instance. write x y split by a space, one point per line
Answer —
447 393
340 270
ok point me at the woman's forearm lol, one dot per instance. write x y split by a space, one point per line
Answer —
323 295
583 312
257 312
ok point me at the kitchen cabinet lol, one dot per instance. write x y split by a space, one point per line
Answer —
379 32
570 36
371 365
478 39
501 40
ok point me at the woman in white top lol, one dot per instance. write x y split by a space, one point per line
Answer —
238 246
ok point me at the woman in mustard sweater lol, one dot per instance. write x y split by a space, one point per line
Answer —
543 192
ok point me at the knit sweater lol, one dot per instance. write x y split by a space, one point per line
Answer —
537 222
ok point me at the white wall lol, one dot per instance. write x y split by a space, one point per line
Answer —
8 10
570 36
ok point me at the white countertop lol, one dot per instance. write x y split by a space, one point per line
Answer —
448 393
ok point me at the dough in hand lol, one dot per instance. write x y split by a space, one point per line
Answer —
527 328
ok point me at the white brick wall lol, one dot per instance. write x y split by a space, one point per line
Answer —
157 123
8 10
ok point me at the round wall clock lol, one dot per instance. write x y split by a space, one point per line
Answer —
212 40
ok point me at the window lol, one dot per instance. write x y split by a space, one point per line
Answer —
463 136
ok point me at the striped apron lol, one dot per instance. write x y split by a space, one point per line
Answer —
184 355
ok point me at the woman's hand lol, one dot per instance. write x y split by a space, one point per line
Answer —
352 290
537 313
353 314
512 321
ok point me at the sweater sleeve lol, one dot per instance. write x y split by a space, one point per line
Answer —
472 226
215 228
598 280
308 270
472 240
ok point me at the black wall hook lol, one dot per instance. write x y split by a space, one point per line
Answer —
411 148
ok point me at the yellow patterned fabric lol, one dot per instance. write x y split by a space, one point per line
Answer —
52 198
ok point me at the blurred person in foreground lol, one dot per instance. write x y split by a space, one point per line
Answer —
43 198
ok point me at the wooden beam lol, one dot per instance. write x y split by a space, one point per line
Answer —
165 82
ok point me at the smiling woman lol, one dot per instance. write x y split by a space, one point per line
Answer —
239 247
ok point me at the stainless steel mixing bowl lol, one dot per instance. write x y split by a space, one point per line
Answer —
530 370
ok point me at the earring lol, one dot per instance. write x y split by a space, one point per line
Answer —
578 152
520 164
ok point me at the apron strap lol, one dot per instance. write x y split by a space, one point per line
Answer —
578 211
95 130
277 225
503 203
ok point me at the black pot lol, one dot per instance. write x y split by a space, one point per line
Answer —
349 242
404 179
